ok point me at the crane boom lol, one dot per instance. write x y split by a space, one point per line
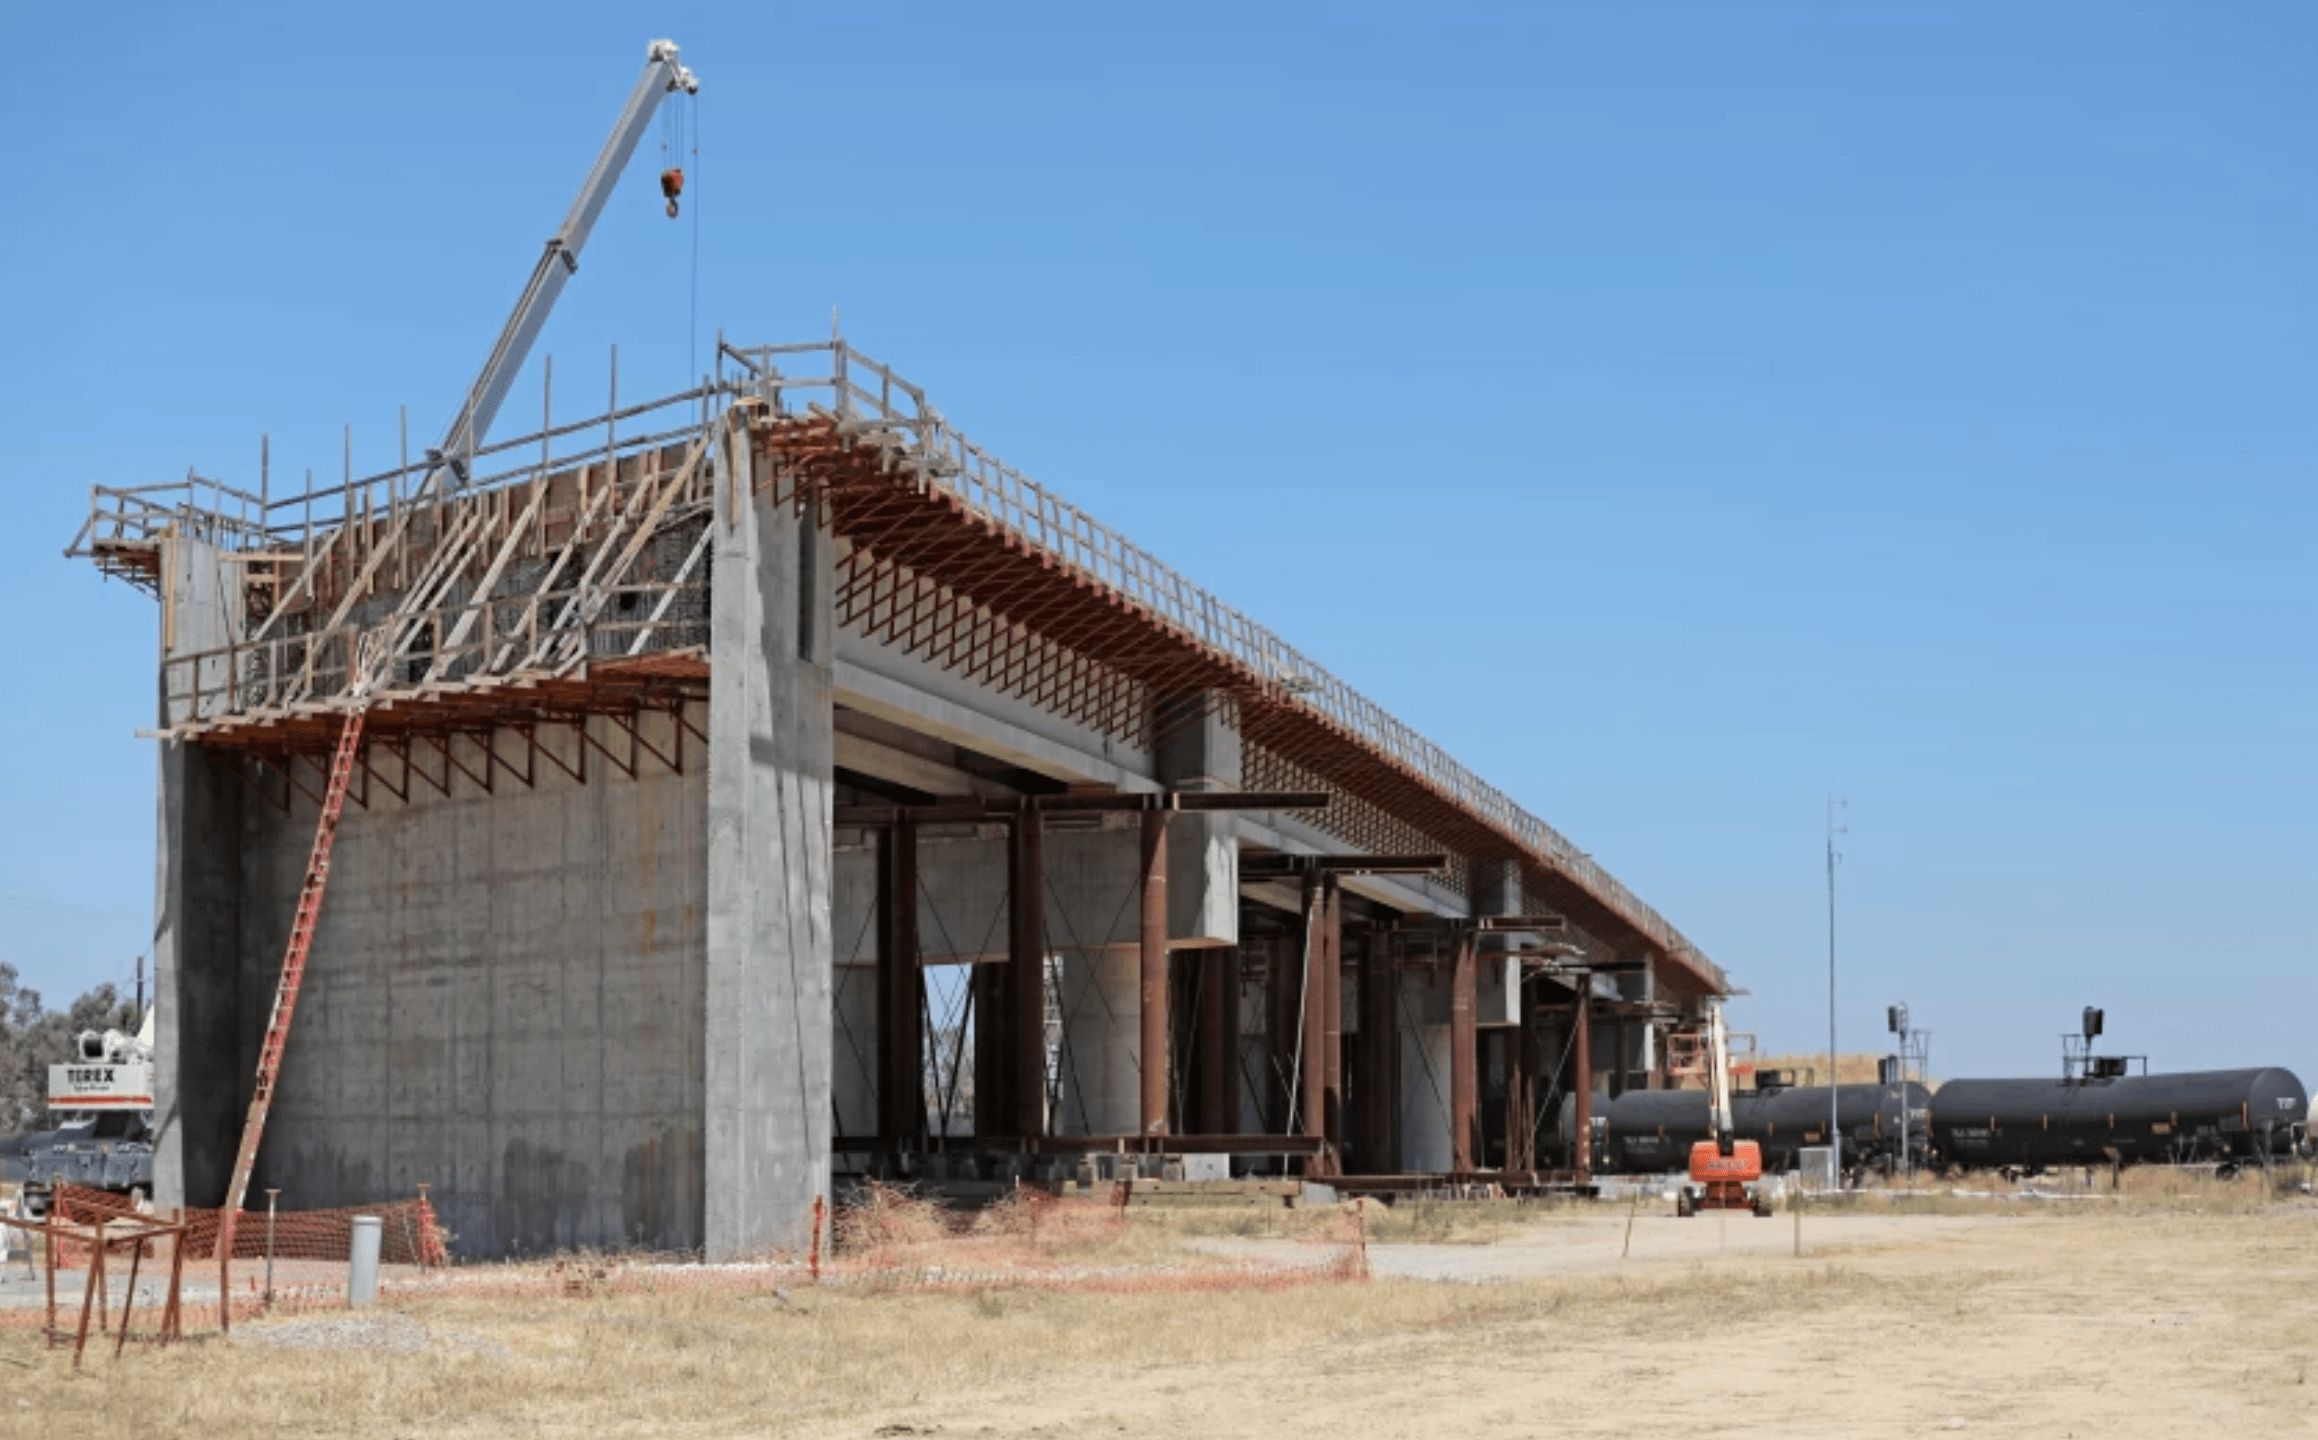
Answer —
663 74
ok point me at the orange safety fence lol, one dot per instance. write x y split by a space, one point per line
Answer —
408 1232
297 1260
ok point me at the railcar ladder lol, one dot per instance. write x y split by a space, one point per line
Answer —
253 1128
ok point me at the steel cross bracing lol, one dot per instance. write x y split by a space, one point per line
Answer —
941 551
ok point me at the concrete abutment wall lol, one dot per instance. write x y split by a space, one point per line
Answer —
584 1014
505 1000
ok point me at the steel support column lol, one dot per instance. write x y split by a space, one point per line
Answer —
1519 1153
1153 956
1582 1084
901 1104
994 1104
1218 1096
1464 1062
1331 950
1376 1087
1026 958
1283 1021
1313 1107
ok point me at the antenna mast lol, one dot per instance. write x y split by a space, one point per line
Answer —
1834 1090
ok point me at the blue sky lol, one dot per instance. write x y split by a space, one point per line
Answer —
1680 412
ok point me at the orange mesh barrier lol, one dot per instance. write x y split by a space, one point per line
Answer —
408 1233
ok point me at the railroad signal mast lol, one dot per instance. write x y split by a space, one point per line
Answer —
1909 1064
2080 1066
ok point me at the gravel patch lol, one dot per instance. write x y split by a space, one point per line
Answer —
339 1332
388 1333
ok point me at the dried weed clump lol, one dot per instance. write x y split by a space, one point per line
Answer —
886 1217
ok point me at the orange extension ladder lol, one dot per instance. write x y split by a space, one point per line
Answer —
253 1128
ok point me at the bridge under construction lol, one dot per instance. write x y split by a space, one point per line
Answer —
765 785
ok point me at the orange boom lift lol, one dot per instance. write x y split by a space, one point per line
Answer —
1725 1173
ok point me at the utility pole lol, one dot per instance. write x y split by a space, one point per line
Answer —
1834 1090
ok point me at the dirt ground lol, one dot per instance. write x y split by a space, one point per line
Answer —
2043 1324
2051 1321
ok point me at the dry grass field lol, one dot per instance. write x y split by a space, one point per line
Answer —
2179 1308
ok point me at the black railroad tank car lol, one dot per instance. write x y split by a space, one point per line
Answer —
1650 1131
2225 1116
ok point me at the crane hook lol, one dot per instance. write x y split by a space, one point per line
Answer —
672 185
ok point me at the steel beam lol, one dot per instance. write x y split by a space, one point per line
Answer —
1281 867
1503 924
967 809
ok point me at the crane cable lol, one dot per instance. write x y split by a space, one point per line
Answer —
672 150
679 125
692 333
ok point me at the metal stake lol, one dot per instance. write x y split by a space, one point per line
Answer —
271 1197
